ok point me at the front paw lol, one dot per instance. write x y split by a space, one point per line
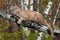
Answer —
19 22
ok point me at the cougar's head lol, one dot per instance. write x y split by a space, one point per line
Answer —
14 9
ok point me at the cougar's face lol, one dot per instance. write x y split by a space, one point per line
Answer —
13 10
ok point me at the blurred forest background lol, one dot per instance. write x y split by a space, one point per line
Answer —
10 31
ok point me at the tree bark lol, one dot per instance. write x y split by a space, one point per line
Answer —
28 4
35 5
54 9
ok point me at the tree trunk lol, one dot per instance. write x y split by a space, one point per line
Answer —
35 5
28 4
54 9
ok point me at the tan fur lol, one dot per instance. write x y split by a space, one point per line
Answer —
29 15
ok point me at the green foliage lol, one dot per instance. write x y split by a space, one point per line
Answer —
3 25
32 36
18 35
46 37
11 36
5 35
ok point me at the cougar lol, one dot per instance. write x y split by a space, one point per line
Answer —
29 15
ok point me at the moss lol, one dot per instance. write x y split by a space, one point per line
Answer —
33 36
46 37
5 35
18 35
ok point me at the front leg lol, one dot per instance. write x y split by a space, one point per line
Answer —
20 20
